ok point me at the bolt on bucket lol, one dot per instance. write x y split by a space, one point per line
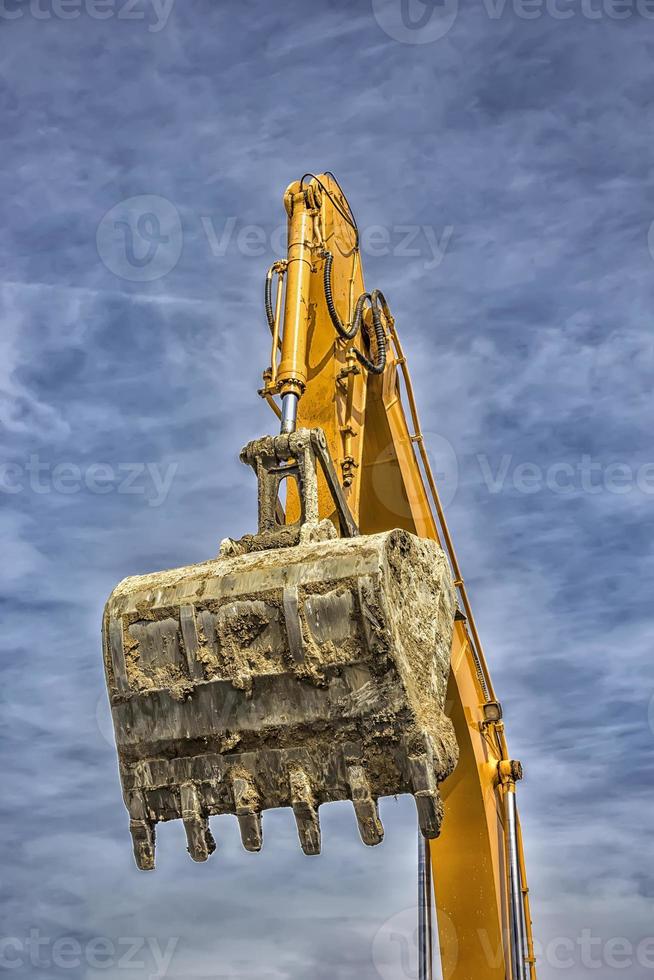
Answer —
295 669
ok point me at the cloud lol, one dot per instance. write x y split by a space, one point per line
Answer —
530 339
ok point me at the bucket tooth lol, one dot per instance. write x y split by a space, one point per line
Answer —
142 832
305 811
251 831
430 814
141 827
308 828
198 836
247 808
371 828
428 799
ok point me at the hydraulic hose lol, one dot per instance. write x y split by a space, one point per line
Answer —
270 314
378 306
347 333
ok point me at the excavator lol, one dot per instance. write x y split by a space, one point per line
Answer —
332 654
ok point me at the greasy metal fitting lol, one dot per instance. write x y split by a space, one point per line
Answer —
510 771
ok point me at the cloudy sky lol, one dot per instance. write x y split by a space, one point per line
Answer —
498 156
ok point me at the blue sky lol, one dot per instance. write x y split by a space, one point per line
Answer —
498 158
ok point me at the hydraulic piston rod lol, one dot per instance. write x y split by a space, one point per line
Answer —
517 913
289 412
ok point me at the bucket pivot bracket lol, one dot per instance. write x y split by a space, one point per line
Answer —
296 456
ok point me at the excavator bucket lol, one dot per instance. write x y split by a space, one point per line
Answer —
295 669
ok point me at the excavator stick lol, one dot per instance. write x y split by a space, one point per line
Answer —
295 669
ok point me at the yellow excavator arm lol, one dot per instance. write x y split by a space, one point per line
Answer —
332 655
337 364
